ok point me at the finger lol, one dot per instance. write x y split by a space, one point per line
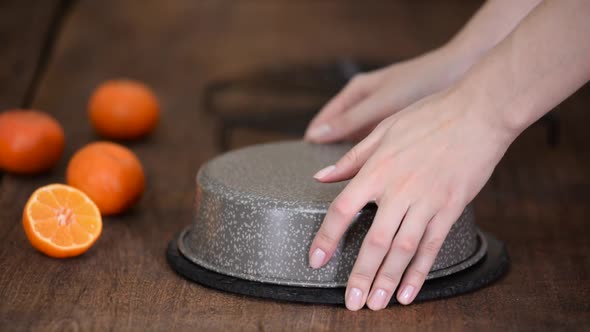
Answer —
365 113
339 216
400 254
354 92
432 241
350 164
362 133
375 246
351 94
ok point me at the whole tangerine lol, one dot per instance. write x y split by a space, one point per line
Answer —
123 109
31 141
109 173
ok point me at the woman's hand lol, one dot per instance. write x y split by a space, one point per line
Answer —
371 97
421 166
424 164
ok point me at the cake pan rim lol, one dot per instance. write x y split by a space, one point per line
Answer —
478 254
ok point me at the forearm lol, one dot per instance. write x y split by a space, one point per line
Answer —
488 27
544 60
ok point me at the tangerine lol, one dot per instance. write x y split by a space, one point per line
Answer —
123 109
31 141
109 173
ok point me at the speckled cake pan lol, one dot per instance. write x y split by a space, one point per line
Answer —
258 208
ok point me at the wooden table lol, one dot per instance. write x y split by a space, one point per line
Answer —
55 52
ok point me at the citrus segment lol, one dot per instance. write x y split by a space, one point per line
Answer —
47 198
46 227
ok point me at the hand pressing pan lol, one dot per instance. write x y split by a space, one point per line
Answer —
258 209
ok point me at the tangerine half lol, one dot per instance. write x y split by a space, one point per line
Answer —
61 221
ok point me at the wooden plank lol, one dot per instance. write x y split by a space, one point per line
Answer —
27 29
24 29
536 200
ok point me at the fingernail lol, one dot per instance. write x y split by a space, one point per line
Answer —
322 173
354 299
406 296
377 299
317 258
319 131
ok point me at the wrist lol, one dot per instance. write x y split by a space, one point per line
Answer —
460 58
433 71
497 120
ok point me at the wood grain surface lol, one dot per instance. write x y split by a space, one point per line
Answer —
24 29
537 201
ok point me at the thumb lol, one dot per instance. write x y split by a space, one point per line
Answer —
350 164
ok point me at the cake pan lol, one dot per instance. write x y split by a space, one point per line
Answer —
258 208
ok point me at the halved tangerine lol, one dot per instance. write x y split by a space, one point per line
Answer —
61 221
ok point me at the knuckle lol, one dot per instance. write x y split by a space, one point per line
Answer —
456 198
388 195
340 208
436 202
388 280
360 277
432 247
379 241
376 171
417 274
406 246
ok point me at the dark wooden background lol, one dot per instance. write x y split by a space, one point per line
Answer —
53 53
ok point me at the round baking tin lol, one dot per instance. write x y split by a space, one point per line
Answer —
258 208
